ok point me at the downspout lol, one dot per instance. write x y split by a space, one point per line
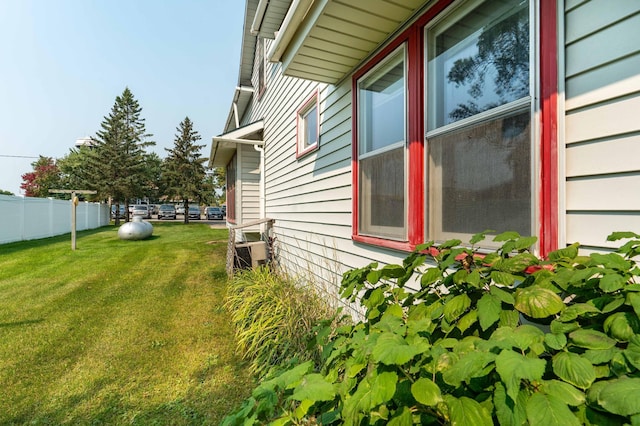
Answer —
262 190
235 113
297 11
236 96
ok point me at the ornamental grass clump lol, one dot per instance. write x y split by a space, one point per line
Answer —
274 319
493 338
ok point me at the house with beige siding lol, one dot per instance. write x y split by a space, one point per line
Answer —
366 127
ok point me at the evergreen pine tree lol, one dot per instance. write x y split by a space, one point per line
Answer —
184 170
117 164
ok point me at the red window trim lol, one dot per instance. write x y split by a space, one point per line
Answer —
314 98
548 232
413 36
232 179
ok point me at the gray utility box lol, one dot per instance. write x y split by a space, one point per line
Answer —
250 254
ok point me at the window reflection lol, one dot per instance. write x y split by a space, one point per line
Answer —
479 62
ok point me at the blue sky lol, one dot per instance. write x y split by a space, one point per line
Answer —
63 62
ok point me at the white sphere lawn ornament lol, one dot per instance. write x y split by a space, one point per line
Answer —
138 229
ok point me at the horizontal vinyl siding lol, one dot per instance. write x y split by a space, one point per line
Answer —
310 197
602 129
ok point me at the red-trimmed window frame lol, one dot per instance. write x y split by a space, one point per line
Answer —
546 185
232 179
309 103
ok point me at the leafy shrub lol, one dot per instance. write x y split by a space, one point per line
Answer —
497 338
274 319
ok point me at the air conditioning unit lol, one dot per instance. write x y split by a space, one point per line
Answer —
250 254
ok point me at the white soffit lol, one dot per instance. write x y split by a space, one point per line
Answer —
224 146
336 35
268 17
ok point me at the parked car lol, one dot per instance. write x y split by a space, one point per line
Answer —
121 211
214 213
180 209
194 212
166 211
142 210
224 210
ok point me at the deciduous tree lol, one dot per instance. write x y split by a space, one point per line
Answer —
45 176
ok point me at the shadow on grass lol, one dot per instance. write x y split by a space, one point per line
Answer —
19 323
199 405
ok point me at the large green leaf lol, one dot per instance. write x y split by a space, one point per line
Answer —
611 260
632 353
503 295
600 356
513 367
465 411
371 392
615 236
518 263
426 392
509 318
634 300
525 242
508 411
469 365
559 327
574 369
622 326
506 236
392 271
489 308
545 410
315 388
612 282
526 336
402 417
591 339
456 306
287 380
567 253
563 392
503 278
430 276
392 349
621 396
538 302
555 341
577 310
467 320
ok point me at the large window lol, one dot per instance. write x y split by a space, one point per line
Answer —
382 129
455 91
478 114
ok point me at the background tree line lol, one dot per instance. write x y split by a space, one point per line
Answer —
118 166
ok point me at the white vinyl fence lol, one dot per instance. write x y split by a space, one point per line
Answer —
28 218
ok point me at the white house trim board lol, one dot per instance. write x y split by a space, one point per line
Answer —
224 146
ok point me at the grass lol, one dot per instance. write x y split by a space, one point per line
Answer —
118 332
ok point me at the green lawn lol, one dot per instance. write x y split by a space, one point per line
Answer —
118 332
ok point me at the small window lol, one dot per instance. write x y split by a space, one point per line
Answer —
308 126
382 130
